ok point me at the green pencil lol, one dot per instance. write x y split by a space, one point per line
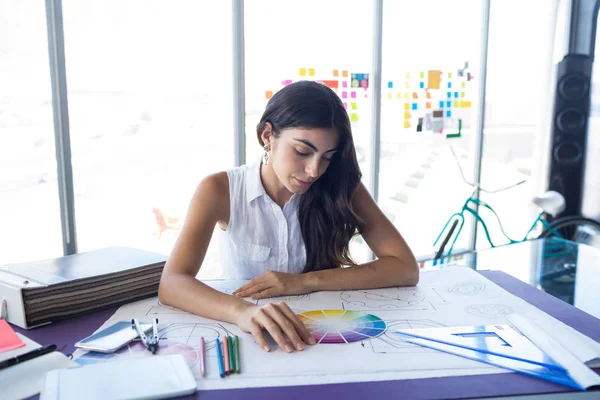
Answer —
231 358
236 354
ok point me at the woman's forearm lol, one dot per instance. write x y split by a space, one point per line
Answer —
383 272
189 294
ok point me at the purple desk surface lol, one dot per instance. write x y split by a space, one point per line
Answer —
69 332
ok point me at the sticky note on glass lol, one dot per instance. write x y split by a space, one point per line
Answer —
336 72
353 105
399 95
346 105
407 106
353 94
448 114
456 103
428 105
428 95
407 75
8 338
407 85
344 74
422 85
390 85
407 115
448 104
390 95
406 95
345 84
462 85
433 79
311 72
462 95
449 75
422 75
415 96
414 106
344 95
406 124
449 85
302 71
353 117
268 94
286 82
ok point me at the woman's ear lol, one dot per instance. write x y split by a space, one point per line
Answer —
266 134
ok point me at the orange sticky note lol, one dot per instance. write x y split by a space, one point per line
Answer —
353 117
415 96
336 72
428 96
302 71
428 105
311 72
8 338
433 79
344 74
390 95
268 94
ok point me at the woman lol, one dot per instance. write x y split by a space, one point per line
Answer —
286 222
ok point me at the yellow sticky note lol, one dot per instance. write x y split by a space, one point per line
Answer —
407 75
407 106
406 95
311 72
390 95
336 72
449 75
353 117
406 124
456 103
422 75
268 94
302 71
407 85
462 95
407 115
399 95
433 79
462 85
353 105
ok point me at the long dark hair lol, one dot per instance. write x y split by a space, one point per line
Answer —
327 220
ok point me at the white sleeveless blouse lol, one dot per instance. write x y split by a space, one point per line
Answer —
260 236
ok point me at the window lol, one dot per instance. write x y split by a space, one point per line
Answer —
150 103
326 41
29 206
430 57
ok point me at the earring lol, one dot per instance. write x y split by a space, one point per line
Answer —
266 155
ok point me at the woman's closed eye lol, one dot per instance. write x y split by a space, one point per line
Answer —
302 154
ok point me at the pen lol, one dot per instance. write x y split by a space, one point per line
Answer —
220 358
40 351
236 353
226 356
202 357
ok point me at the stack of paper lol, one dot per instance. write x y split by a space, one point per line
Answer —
46 291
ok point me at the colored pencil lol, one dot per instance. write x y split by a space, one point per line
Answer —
202 357
236 351
220 358
231 359
226 356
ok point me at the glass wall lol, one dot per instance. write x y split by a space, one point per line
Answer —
150 104
431 55
327 41
29 206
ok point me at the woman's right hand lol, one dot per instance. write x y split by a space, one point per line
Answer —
281 323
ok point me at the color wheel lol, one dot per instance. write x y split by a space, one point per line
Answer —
342 326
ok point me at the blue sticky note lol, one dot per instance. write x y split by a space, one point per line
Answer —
390 85
422 85
441 104
448 104
449 85
449 95
456 95
414 106
448 114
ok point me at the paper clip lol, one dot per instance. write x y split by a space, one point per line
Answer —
151 342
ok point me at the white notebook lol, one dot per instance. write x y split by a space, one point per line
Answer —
156 377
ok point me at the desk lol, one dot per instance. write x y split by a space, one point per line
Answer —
511 257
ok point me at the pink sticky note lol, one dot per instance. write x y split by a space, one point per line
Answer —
345 105
353 94
286 82
8 338
344 95
344 84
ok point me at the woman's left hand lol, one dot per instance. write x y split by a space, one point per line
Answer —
271 284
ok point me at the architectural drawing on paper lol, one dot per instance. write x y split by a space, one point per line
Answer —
489 310
390 342
399 298
471 288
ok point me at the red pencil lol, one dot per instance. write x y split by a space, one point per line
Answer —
226 356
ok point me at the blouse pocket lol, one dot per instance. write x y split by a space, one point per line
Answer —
253 252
